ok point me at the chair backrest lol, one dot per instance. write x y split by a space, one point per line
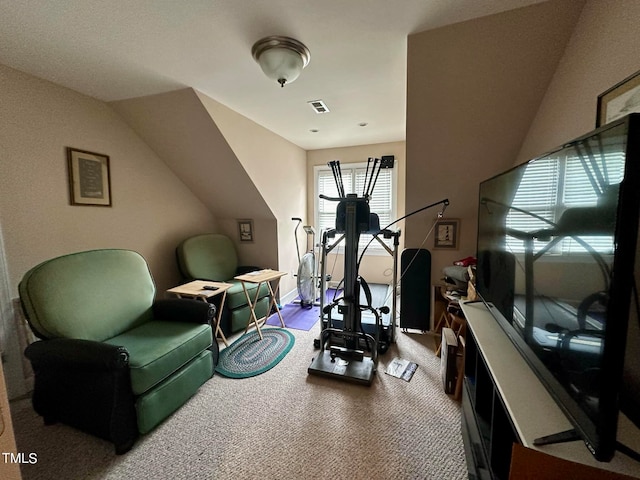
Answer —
92 295
210 256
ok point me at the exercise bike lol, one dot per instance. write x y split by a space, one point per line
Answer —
307 278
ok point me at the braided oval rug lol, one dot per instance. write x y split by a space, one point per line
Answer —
249 356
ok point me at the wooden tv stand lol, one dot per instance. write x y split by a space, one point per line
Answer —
504 403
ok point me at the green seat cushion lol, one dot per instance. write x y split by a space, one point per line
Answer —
157 404
236 296
159 348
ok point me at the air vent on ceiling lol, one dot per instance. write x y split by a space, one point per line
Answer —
319 106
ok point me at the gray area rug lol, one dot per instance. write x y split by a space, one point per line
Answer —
283 424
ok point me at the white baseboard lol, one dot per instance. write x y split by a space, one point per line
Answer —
289 297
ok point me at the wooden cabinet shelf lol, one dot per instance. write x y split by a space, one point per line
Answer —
504 403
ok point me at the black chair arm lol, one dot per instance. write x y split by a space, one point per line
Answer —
86 385
184 310
75 354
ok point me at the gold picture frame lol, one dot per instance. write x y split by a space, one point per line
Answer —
620 100
446 234
89 178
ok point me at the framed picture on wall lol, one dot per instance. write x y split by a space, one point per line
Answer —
446 233
620 100
245 230
89 178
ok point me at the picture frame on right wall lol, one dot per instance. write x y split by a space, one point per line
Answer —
620 100
446 234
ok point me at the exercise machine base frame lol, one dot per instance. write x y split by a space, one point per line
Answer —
328 364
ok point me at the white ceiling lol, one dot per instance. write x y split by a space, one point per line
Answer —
113 50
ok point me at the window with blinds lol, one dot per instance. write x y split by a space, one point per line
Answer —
550 186
353 177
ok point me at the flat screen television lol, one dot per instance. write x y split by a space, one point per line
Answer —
557 242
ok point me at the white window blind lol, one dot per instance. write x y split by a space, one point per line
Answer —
550 186
353 176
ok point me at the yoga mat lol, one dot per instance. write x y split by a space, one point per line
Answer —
300 318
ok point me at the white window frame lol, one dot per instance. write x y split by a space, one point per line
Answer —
374 248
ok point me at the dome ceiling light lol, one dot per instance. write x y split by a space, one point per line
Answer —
281 58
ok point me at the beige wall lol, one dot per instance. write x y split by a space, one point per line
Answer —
374 268
603 51
472 92
152 210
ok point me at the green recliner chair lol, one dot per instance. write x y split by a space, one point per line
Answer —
213 257
112 361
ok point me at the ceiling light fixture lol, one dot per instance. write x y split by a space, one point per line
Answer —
281 58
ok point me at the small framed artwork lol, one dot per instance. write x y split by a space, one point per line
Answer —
89 178
620 100
245 230
446 234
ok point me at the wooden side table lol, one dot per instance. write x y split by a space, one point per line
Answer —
197 290
259 277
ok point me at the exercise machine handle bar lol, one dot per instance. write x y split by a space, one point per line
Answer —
295 234
350 196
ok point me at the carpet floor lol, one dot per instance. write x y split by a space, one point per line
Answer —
283 424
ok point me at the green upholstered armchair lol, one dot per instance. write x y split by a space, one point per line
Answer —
112 360
213 257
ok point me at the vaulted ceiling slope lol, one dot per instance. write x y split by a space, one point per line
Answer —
177 126
237 168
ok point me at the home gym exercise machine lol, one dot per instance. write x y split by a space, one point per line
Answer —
347 351
380 294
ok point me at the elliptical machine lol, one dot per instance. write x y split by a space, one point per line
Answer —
340 353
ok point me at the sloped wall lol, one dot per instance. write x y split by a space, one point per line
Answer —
603 51
237 168
472 92
277 168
